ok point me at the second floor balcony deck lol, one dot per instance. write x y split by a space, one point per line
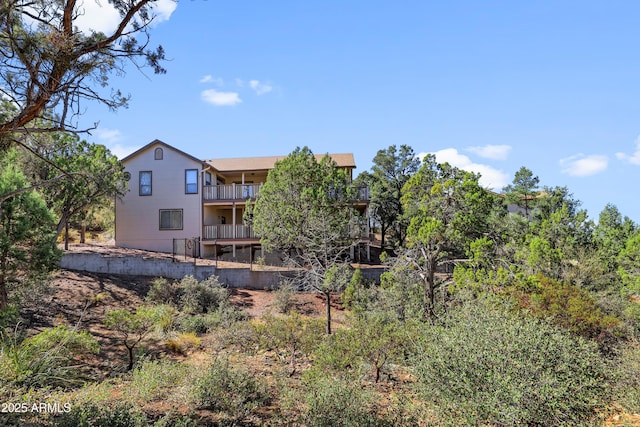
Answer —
243 192
230 192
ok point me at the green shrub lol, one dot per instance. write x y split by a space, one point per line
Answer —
163 292
334 403
628 384
292 335
567 306
171 419
283 296
48 358
92 415
159 380
134 327
201 297
372 342
234 392
486 365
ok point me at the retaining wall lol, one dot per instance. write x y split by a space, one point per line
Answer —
143 266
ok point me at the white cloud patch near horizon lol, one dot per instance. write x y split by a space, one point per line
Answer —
108 136
220 99
121 151
260 88
490 177
111 139
210 79
101 16
494 152
582 165
633 158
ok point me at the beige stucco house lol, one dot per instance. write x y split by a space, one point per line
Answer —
173 195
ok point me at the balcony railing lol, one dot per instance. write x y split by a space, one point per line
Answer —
239 231
230 192
227 192
363 193
228 231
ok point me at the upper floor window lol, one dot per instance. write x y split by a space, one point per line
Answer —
157 154
145 183
207 178
191 181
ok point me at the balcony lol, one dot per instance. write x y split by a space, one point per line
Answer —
230 192
228 232
243 192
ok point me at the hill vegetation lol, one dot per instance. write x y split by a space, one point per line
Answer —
496 309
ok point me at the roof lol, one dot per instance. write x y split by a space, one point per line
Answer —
239 164
164 144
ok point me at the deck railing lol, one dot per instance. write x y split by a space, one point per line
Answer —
250 191
228 231
230 192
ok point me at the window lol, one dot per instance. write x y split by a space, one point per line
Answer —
207 178
191 181
157 154
170 219
145 183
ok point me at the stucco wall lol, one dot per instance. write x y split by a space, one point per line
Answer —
138 217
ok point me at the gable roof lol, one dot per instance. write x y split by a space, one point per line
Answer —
164 144
239 164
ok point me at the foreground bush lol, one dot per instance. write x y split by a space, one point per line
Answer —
233 392
628 384
189 295
46 359
91 415
161 380
485 365
334 403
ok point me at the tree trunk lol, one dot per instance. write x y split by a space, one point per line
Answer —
83 232
130 349
328 296
66 235
4 297
430 288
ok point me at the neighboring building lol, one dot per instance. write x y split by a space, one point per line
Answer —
173 195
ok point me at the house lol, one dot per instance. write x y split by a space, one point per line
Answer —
173 196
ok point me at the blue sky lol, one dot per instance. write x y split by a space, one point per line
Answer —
489 86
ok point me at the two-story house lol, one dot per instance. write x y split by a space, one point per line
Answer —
173 195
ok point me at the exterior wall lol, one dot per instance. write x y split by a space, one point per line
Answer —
138 217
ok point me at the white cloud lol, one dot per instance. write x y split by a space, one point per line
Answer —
101 16
111 139
210 79
634 158
220 99
109 136
490 177
581 165
494 152
121 151
239 82
260 88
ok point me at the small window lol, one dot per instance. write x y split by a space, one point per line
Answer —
170 219
145 183
157 154
191 181
207 178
